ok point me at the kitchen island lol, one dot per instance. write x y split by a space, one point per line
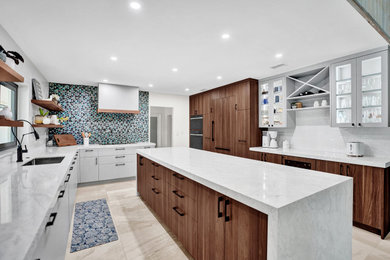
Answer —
302 214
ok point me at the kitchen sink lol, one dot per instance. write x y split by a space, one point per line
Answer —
44 160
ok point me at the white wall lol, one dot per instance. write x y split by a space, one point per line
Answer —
26 110
164 131
313 132
180 117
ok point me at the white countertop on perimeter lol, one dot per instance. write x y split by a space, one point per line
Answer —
380 162
260 185
29 192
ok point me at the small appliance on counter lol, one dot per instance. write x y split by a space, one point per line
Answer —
265 139
273 142
355 149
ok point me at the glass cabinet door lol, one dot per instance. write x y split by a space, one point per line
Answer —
343 80
264 98
278 104
372 84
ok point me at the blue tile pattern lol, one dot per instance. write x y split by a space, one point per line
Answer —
92 225
81 103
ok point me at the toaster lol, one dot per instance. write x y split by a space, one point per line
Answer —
355 149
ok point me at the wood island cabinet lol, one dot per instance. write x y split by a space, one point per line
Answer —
208 224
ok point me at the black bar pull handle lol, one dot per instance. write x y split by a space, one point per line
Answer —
68 177
178 194
178 176
155 178
52 218
220 199
227 218
61 194
155 164
212 130
140 161
178 211
155 191
119 149
347 170
118 157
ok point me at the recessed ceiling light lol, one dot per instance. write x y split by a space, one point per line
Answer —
225 36
219 77
278 55
150 85
113 58
187 89
105 80
174 69
135 5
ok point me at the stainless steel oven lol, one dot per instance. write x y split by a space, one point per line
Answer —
196 132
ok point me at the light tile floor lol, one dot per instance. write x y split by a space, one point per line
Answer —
141 236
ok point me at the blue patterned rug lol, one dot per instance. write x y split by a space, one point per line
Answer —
92 225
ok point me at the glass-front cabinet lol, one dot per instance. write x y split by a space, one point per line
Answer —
360 91
272 105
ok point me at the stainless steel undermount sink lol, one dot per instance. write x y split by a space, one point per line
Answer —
44 160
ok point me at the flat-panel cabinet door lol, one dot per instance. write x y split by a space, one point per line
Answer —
211 230
72 184
372 97
223 123
242 123
89 169
343 86
245 232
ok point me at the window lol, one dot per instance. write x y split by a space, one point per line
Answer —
8 97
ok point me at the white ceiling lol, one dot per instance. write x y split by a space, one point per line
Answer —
71 41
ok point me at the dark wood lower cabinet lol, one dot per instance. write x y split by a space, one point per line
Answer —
228 229
328 166
208 224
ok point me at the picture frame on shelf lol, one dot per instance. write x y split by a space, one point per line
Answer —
36 90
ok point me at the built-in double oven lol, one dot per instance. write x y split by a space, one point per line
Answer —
196 132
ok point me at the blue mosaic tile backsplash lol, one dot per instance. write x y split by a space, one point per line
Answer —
80 103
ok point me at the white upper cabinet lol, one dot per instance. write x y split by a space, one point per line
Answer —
359 91
118 99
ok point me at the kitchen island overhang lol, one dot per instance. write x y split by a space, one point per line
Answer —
309 212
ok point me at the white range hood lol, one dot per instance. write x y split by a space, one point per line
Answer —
118 99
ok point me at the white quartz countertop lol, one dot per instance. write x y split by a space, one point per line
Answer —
263 186
380 162
27 194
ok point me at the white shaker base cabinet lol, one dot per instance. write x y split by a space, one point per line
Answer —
100 163
89 170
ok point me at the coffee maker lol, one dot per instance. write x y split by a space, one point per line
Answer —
273 142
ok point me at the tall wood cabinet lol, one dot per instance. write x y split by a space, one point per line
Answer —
230 117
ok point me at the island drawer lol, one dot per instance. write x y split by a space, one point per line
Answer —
182 183
180 199
184 227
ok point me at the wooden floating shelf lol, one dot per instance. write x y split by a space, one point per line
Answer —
7 74
11 123
48 126
49 105
308 108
